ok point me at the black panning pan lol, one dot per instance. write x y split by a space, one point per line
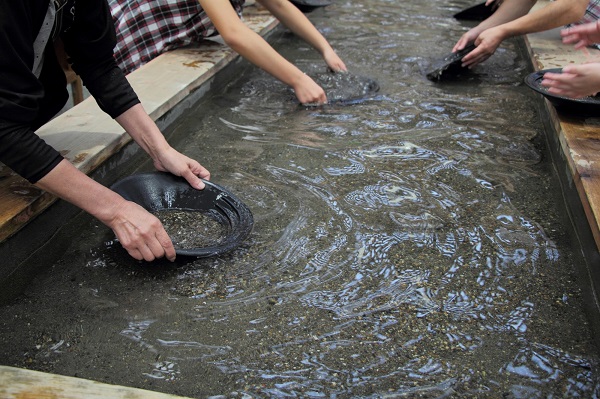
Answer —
451 63
344 88
158 191
586 106
477 12
310 5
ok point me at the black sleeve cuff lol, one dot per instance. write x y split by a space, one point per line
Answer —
25 152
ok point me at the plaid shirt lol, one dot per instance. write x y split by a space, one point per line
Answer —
592 13
147 28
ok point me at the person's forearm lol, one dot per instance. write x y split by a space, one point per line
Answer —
297 22
69 183
138 231
509 10
143 130
248 43
556 14
261 54
256 50
138 124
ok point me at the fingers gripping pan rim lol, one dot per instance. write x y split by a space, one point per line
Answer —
158 191
587 106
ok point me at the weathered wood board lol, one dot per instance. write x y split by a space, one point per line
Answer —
16 383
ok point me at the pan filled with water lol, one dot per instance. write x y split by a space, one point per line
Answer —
410 244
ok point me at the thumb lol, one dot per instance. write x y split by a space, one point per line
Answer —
193 180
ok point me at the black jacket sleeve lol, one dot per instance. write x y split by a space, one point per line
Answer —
22 94
25 152
27 102
20 90
90 42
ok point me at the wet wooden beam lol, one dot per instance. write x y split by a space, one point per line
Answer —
16 383
579 136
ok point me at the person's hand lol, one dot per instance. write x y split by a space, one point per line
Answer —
468 37
140 233
494 3
178 164
582 35
334 62
486 45
575 81
147 135
309 92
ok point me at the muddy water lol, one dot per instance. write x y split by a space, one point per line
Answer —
409 245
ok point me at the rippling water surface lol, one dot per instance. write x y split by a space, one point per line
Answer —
411 244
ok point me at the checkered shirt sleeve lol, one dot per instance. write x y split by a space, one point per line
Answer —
147 28
592 13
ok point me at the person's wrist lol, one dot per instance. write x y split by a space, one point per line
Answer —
110 209
297 80
160 151
506 31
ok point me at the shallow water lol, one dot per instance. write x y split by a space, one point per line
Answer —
409 245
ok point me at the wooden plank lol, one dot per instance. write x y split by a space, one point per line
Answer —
16 383
582 145
21 202
579 137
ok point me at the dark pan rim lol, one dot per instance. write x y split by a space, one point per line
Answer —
214 198
533 81
309 3
447 61
478 12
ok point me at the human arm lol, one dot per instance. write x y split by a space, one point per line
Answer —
582 35
138 231
300 25
28 155
89 43
575 81
508 10
256 50
553 15
146 134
